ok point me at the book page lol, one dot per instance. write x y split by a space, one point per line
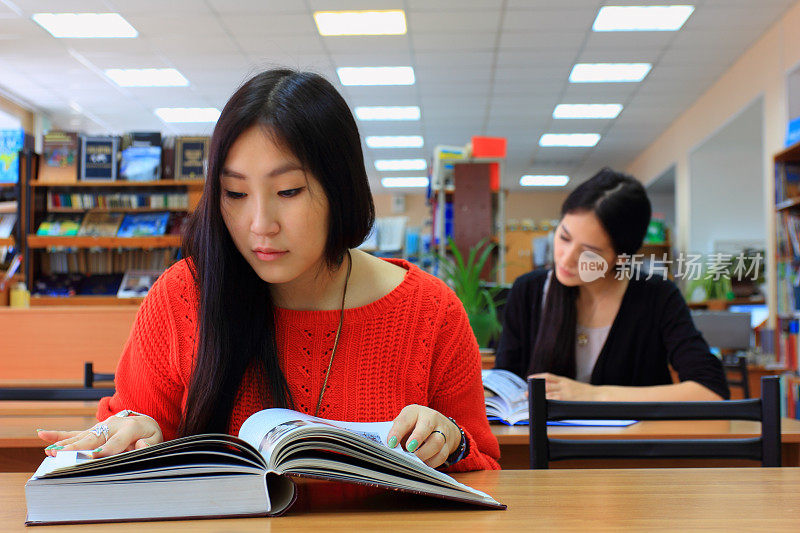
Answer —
303 444
266 429
506 384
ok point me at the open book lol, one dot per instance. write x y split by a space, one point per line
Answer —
218 475
509 405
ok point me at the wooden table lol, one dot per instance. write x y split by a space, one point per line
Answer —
514 440
21 449
49 408
725 499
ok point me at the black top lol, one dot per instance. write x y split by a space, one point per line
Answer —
652 329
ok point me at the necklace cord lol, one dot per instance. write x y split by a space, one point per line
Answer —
338 332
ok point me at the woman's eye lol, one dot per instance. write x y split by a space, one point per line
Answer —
563 238
290 192
233 195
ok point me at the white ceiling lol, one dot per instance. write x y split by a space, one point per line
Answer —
483 67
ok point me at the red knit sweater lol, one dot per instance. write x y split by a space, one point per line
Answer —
413 346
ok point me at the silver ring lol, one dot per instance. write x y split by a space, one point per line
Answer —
440 433
100 429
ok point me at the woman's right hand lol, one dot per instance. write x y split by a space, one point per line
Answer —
124 434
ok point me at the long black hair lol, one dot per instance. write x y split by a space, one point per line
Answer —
236 322
621 204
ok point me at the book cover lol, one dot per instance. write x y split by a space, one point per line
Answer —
137 283
57 285
60 224
60 157
100 285
7 221
141 156
98 160
100 224
11 141
217 475
141 163
191 158
143 225
168 158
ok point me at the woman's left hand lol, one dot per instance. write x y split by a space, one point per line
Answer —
561 388
427 433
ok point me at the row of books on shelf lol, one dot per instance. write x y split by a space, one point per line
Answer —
112 224
787 181
135 156
789 234
106 260
790 395
788 287
131 284
170 200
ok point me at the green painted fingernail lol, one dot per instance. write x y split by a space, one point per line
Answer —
52 446
100 449
411 446
392 441
38 430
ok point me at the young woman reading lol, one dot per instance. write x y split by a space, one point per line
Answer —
607 338
274 307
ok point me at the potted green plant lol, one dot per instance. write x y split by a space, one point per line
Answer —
478 299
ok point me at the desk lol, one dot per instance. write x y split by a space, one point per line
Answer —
20 449
514 440
762 499
49 408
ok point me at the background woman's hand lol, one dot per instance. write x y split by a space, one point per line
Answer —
427 433
561 388
124 433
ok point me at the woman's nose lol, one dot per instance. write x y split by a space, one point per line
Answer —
264 220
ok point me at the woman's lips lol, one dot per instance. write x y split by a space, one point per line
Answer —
269 255
565 273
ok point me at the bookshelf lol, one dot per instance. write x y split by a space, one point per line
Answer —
787 261
469 207
11 201
63 257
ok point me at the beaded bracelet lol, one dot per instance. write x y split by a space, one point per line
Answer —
459 452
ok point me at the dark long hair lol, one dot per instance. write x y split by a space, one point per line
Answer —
236 322
621 204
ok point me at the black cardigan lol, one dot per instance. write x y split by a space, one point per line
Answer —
652 329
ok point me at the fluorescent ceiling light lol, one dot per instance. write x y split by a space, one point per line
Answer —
543 181
609 72
587 110
405 182
188 114
361 22
569 139
641 18
400 164
147 77
376 75
410 112
395 141
86 25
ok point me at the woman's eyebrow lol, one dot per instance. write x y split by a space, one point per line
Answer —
286 167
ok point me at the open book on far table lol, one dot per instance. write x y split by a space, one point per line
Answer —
509 405
223 476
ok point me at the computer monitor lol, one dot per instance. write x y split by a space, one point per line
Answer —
758 312
725 330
